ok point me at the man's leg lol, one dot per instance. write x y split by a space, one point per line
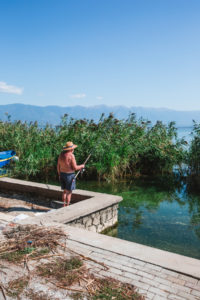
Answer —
64 197
68 196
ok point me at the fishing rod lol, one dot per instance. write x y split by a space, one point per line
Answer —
82 170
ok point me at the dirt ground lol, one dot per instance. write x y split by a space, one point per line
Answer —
15 204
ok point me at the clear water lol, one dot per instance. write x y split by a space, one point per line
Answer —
161 213
185 133
158 214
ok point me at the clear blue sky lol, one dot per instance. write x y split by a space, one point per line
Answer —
91 52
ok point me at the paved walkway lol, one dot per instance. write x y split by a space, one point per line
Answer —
153 281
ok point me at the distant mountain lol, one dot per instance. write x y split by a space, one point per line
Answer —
53 114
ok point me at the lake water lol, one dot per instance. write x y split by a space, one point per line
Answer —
156 214
161 214
185 132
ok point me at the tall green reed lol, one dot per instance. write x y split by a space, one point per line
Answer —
120 148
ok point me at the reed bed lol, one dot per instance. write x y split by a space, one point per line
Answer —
119 148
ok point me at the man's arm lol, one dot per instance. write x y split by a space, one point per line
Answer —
74 164
58 167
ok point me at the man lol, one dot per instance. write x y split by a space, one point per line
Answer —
66 168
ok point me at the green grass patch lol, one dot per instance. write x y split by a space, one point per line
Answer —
17 286
61 270
110 289
15 256
40 252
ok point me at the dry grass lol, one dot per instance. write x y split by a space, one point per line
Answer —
39 236
69 273
72 274
16 287
29 241
64 271
109 289
31 294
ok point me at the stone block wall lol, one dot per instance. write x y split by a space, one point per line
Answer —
99 220
90 210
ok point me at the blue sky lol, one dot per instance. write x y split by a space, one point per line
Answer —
92 52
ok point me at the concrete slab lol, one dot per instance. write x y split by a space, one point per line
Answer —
168 260
156 273
93 201
150 279
5 217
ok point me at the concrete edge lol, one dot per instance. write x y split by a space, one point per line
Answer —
91 201
175 262
45 186
167 260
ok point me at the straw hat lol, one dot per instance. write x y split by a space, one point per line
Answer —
69 146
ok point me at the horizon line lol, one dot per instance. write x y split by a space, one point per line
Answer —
99 105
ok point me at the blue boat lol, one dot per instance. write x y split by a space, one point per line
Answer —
6 156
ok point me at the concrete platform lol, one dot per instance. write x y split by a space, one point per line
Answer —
155 273
168 260
91 210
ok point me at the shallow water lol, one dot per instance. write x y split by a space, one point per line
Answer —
159 214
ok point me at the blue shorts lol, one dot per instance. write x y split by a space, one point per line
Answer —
67 181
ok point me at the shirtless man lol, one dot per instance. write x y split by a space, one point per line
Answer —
66 168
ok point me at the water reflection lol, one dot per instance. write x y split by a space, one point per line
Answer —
160 213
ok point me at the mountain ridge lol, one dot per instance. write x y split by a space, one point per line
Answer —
52 113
